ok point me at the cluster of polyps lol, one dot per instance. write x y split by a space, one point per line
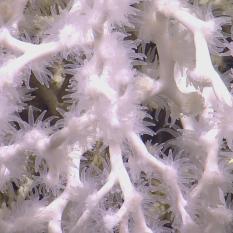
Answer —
45 178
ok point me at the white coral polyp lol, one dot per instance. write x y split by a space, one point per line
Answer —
69 36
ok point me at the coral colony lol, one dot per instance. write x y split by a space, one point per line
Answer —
116 116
